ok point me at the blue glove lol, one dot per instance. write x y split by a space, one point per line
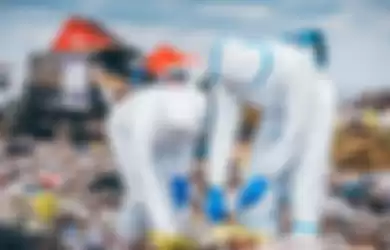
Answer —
253 192
180 191
215 205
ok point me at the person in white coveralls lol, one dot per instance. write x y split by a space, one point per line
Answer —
295 135
152 131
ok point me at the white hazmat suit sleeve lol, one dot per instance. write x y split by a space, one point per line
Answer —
225 122
158 208
128 228
132 141
271 158
224 119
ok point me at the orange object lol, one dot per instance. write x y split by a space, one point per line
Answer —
82 35
165 57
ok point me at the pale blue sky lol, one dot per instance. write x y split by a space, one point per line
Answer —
358 30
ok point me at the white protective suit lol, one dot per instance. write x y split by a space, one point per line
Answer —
295 133
152 133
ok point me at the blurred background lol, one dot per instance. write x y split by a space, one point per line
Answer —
52 116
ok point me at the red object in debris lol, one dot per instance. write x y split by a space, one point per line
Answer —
49 181
165 57
82 35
